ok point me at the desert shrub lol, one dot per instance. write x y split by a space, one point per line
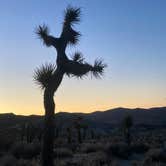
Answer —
149 162
62 153
59 142
8 160
17 149
5 143
60 162
139 148
23 162
120 150
115 162
73 146
91 159
26 151
97 158
1 153
135 163
92 147
156 155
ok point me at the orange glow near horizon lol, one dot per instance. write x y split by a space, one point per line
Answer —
81 96
79 109
28 105
84 96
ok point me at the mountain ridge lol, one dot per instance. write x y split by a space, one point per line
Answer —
155 116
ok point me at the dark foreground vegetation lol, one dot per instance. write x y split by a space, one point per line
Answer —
80 141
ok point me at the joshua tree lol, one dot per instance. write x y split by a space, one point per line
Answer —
78 126
49 76
69 135
56 132
84 127
92 134
127 124
22 132
30 132
39 134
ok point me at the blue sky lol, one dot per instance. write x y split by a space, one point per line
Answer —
128 34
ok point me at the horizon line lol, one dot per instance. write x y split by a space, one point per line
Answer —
148 108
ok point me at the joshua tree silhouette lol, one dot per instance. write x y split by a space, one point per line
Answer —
127 124
77 125
49 76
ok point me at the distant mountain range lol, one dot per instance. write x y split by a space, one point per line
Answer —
99 119
152 116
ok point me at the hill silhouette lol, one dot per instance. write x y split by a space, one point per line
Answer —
99 119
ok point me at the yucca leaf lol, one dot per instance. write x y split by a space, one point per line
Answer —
72 15
80 69
43 32
98 68
69 35
44 74
78 57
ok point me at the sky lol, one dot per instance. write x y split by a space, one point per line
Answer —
129 35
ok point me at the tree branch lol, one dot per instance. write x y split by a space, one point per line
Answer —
48 40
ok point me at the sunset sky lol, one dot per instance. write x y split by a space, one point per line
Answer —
129 35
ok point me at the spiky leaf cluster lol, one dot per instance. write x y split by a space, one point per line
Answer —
98 68
79 68
44 74
78 57
70 35
72 15
43 32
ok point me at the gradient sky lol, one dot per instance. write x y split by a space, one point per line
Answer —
130 35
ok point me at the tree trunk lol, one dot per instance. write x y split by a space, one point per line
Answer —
49 133
84 133
68 135
79 135
128 138
48 138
